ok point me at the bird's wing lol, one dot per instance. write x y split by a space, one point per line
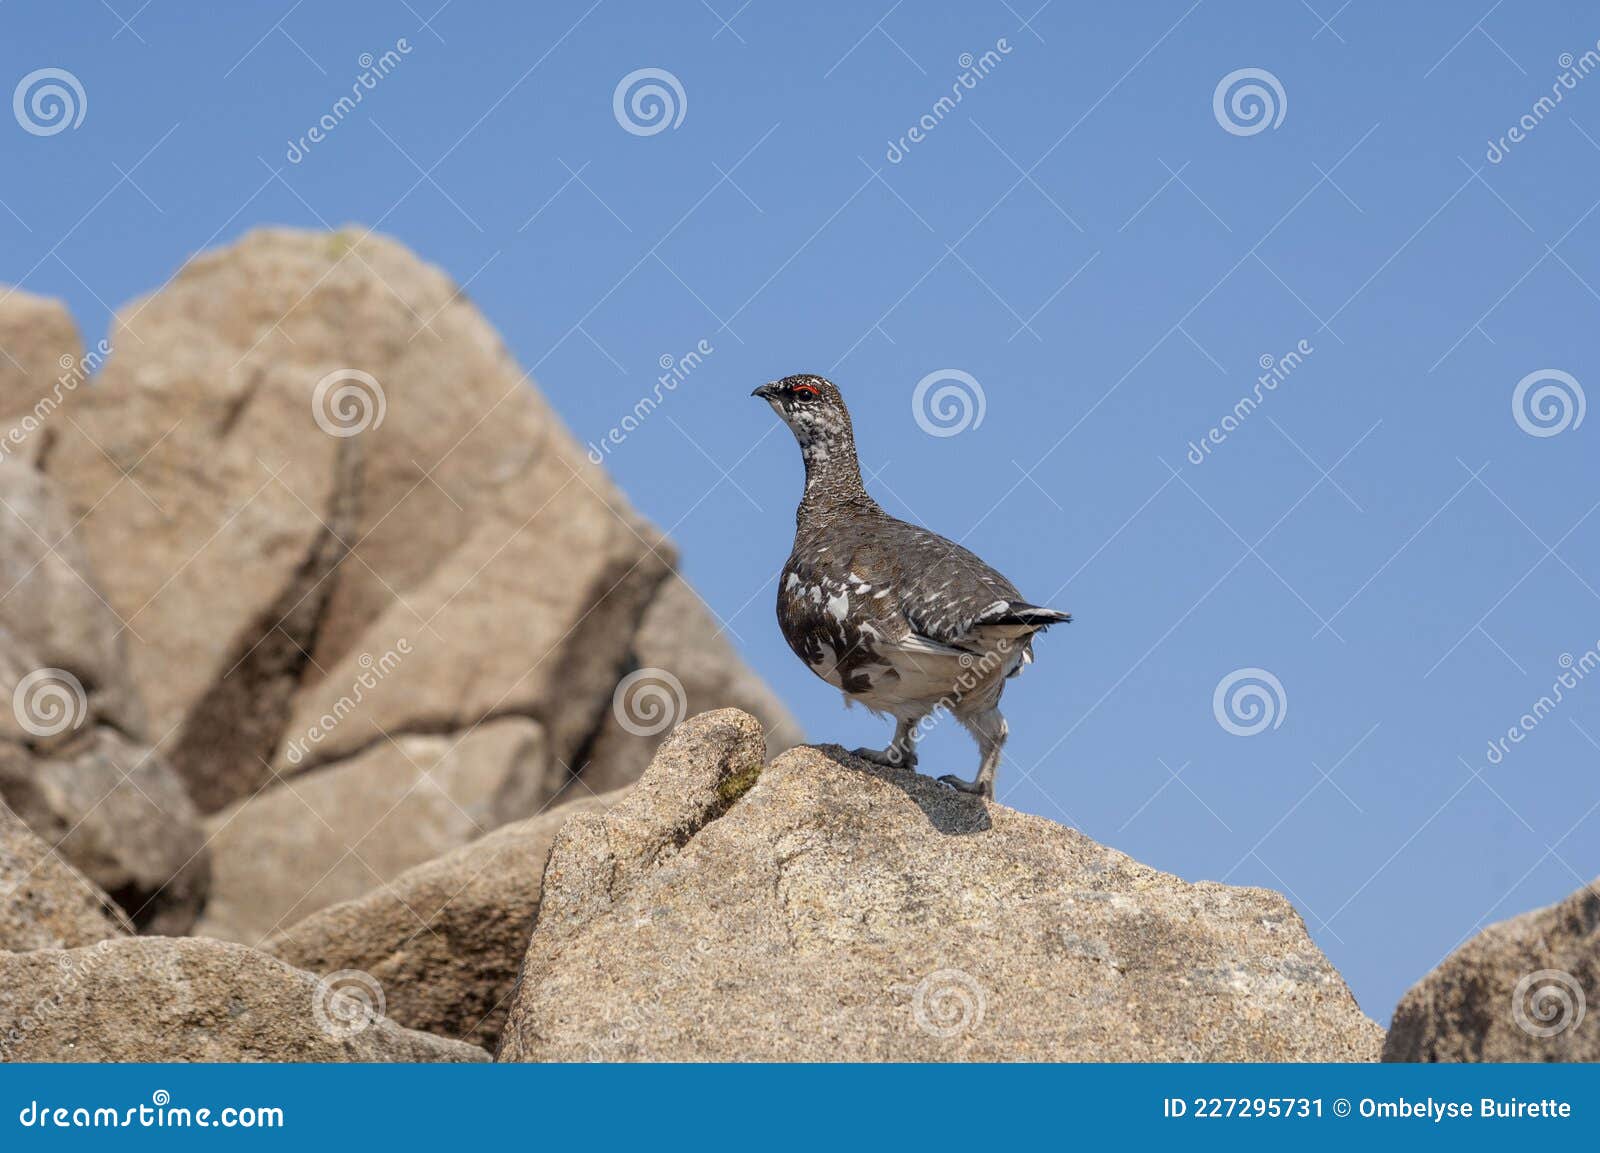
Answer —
945 590
856 579
913 590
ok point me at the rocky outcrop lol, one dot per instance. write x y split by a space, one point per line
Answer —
824 909
354 826
311 557
1522 990
446 938
156 999
44 902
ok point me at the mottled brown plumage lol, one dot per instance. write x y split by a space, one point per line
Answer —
895 616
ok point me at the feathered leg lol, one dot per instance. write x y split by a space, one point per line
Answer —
988 728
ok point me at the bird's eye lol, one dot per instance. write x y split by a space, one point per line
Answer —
804 391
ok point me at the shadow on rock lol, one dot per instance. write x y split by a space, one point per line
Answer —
951 813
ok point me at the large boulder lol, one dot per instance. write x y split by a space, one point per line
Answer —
1527 989
679 665
825 909
159 999
331 458
446 938
44 902
335 833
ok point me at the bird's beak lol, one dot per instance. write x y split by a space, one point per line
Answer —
765 392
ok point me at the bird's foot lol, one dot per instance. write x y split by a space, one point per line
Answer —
889 758
978 788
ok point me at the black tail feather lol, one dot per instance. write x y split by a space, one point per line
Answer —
1023 613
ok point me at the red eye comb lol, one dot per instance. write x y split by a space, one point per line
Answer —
807 389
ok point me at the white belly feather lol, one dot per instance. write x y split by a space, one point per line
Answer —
919 675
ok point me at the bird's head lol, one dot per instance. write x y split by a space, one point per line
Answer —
812 408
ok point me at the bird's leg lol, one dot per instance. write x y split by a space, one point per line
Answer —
902 751
989 730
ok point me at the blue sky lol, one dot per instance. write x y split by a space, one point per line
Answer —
1107 260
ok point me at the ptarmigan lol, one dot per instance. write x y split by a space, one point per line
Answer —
893 615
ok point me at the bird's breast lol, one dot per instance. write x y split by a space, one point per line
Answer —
825 623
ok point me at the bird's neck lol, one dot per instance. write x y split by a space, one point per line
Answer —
833 477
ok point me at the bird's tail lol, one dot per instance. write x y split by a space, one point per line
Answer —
1032 616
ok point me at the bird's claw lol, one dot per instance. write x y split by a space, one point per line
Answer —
888 758
978 788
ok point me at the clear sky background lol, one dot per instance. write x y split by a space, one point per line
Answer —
1085 239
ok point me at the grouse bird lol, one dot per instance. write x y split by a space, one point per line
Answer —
895 616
